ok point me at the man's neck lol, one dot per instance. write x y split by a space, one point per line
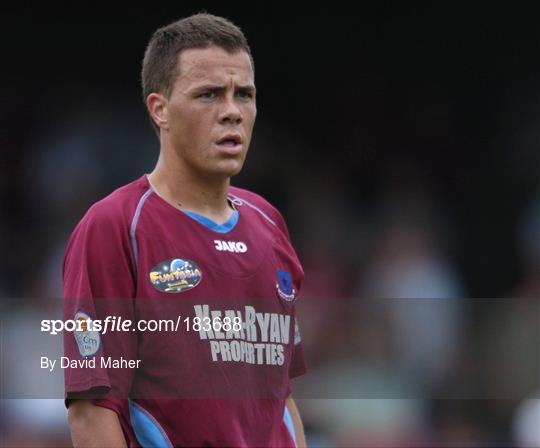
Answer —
186 191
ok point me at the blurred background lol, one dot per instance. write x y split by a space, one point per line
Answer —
402 144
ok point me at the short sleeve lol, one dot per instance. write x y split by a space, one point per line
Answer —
298 364
99 285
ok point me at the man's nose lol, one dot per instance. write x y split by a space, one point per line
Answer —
230 111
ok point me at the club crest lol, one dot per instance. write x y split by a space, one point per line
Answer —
284 286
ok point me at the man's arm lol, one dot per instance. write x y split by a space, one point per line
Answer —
98 265
297 422
94 426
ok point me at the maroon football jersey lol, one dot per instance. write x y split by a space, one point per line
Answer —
217 372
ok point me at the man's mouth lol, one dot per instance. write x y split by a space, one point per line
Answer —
230 143
230 140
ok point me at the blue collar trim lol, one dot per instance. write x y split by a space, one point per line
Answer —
219 228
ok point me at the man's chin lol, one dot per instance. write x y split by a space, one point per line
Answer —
231 168
225 170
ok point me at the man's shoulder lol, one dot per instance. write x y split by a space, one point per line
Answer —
118 207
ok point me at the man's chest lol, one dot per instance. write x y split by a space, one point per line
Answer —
230 298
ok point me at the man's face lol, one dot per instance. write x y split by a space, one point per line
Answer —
212 110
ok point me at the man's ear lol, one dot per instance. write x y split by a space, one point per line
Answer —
157 106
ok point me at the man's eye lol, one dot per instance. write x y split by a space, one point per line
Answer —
245 95
207 95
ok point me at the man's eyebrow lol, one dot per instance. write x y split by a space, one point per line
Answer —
208 86
246 87
217 87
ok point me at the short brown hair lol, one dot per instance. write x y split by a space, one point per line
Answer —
160 63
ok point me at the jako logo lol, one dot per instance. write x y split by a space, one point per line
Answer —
230 246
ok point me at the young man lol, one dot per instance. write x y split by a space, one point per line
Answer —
181 244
